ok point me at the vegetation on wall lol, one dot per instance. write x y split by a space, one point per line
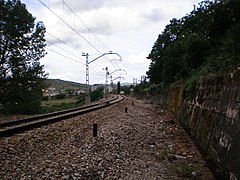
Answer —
141 90
205 41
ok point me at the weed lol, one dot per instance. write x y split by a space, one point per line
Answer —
183 170
164 153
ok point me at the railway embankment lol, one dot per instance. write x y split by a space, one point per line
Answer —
134 141
212 118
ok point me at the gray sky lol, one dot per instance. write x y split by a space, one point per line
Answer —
127 27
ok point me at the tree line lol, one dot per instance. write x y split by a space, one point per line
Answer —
207 40
22 43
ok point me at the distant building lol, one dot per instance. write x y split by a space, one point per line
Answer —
50 92
78 92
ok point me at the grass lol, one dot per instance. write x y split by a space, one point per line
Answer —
57 102
164 153
183 170
52 105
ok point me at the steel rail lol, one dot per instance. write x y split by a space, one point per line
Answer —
17 126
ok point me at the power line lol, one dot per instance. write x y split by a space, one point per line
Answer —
68 52
69 25
63 42
97 72
74 61
68 46
89 31
64 56
84 24
62 49
73 29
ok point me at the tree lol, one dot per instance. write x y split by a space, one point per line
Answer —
22 45
97 94
205 41
118 87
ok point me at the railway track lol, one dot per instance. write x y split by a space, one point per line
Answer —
20 125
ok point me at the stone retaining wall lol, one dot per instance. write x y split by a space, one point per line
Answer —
212 118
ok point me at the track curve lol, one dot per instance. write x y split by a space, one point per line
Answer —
18 126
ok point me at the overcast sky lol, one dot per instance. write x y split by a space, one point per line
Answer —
126 27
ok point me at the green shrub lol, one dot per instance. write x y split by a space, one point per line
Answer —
97 94
60 96
45 98
183 170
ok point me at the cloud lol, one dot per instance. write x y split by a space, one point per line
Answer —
106 16
78 6
127 27
107 21
155 15
69 39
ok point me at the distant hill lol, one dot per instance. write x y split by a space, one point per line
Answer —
126 84
64 85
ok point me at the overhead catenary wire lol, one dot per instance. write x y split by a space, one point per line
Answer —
62 49
103 75
68 25
85 25
92 68
63 42
64 3
64 56
80 35
68 52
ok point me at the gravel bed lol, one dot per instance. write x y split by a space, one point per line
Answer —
144 143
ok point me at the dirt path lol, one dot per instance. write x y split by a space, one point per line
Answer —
144 143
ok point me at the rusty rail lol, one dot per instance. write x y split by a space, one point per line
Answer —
20 125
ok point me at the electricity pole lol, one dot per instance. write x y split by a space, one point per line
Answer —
134 81
118 84
117 77
87 68
106 84
87 98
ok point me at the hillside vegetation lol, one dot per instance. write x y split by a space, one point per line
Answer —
64 85
206 41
